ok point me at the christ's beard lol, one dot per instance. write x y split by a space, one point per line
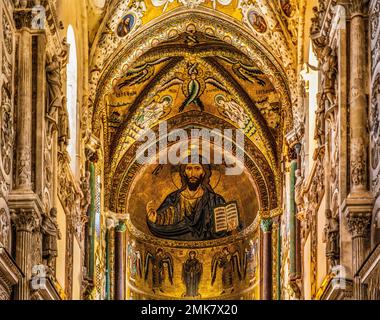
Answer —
193 185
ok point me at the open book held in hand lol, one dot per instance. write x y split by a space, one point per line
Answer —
226 217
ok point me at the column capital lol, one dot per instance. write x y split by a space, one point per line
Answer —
25 219
117 221
357 7
121 226
359 224
266 225
23 17
358 212
92 148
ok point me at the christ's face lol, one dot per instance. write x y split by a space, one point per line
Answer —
194 174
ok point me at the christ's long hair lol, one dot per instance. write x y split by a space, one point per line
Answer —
205 182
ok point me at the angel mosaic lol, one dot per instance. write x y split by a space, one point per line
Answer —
229 262
134 261
154 111
193 84
244 71
232 111
148 115
140 73
160 262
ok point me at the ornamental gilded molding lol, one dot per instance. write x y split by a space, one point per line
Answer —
107 39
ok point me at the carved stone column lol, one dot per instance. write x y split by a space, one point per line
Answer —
25 221
298 182
359 203
266 227
359 226
358 99
24 118
110 245
360 200
119 257
292 221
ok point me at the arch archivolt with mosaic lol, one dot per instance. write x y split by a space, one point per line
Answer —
150 37
107 39
266 182
230 38
217 76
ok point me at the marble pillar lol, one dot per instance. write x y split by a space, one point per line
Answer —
298 240
24 205
24 119
266 227
358 100
358 219
25 221
292 221
359 203
359 226
119 258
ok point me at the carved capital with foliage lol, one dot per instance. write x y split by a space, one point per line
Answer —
266 225
357 7
121 226
25 219
359 224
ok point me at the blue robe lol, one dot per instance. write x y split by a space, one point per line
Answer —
198 226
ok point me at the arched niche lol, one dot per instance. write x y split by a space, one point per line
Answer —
254 161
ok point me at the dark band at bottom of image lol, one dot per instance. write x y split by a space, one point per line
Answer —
175 309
